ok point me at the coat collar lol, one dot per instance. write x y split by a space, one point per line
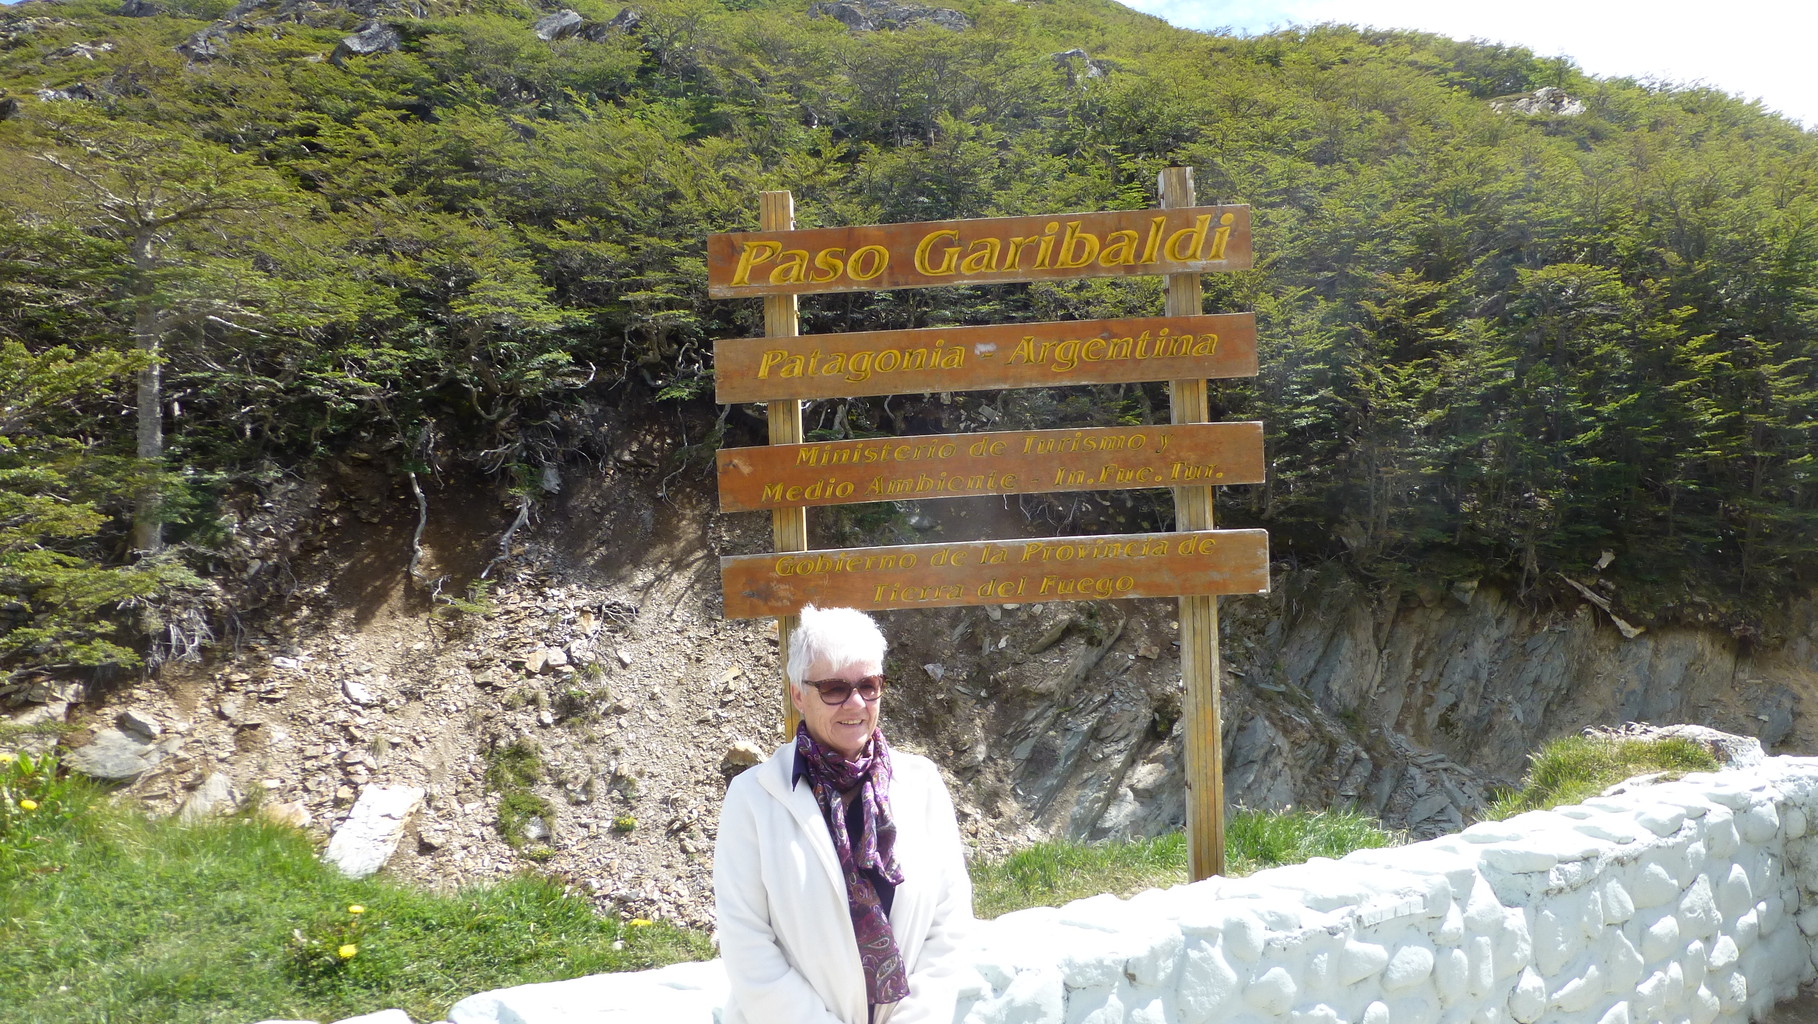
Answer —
777 777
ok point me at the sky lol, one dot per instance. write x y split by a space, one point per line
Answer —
1756 49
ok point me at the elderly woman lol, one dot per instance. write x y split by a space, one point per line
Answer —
839 879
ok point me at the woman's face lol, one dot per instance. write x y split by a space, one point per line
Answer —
845 728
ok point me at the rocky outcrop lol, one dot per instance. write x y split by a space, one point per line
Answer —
567 24
207 44
374 23
373 39
80 51
1080 67
321 13
879 15
1548 101
1410 706
79 91
560 25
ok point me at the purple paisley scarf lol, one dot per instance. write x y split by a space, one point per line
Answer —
829 774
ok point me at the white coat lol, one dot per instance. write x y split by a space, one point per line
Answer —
785 928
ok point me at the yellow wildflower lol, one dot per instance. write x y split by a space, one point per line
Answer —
6 758
347 951
29 805
356 909
639 922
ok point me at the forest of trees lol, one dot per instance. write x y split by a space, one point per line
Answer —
1494 345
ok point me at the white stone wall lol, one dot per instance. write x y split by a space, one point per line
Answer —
1687 901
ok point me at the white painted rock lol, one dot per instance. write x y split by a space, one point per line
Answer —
369 836
382 1017
691 992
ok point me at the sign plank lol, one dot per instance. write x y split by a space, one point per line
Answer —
997 250
932 359
1000 462
998 572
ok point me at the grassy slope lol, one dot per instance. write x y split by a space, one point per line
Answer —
108 916
1048 874
1577 768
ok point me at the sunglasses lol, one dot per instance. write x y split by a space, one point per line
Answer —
838 691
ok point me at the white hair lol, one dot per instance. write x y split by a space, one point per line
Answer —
837 636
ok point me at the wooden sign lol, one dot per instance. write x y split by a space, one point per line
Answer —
999 250
999 572
1003 462
977 358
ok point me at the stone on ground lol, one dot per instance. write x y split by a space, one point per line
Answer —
114 756
369 836
214 796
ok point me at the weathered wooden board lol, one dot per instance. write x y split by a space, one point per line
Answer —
998 572
1000 462
998 250
976 358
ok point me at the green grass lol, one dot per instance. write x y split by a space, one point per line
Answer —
512 770
1577 768
106 915
1049 874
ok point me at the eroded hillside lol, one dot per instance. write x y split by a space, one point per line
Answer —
601 648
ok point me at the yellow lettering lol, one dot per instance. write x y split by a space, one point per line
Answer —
948 255
982 256
1183 245
828 260
1153 242
868 262
859 367
789 363
750 257
1047 247
1120 250
1015 256
1077 248
1221 236
793 269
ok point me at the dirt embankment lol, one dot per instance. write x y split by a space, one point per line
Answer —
600 645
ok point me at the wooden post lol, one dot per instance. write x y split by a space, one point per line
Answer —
1199 669
788 526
